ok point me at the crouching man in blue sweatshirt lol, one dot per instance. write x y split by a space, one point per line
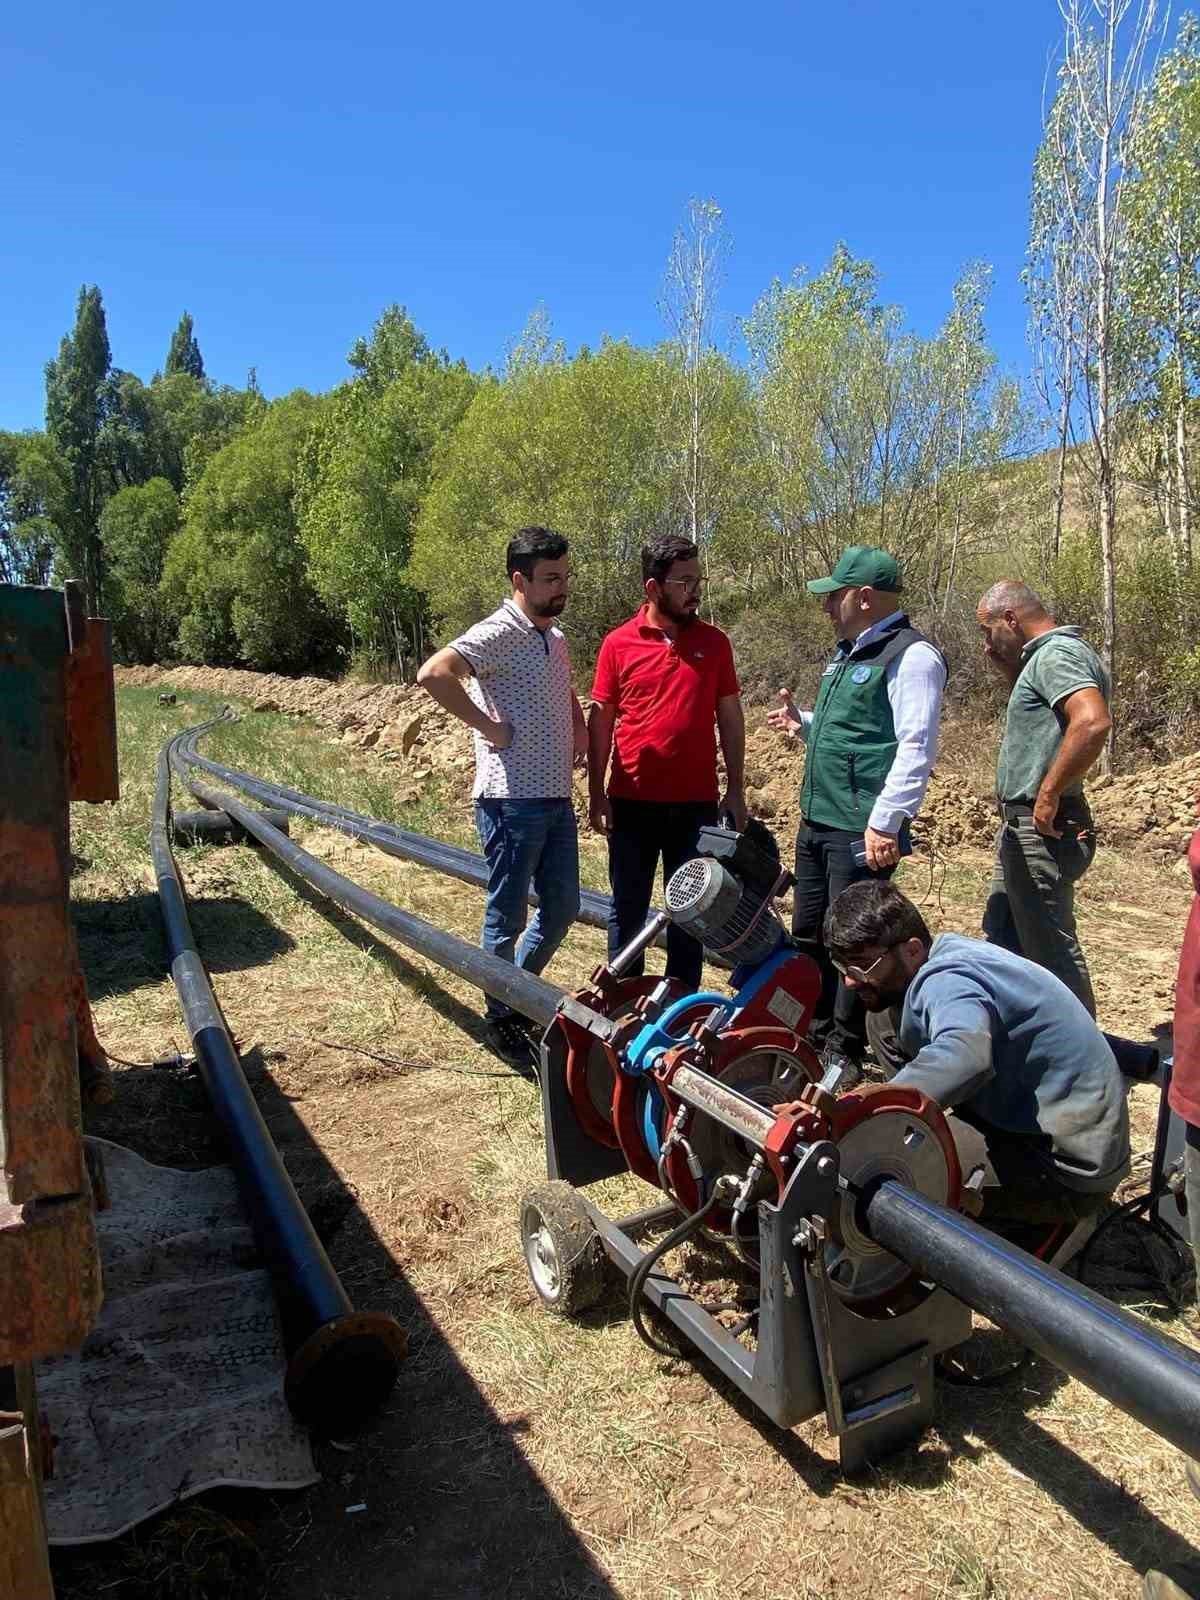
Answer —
1038 1100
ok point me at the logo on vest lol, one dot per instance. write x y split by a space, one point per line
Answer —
860 675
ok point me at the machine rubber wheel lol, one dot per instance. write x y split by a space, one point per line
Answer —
562 1250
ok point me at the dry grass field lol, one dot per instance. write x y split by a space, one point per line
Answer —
521 1456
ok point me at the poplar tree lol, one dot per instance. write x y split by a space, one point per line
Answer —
184 353
75 412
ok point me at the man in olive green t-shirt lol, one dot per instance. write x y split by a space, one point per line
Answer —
1057 722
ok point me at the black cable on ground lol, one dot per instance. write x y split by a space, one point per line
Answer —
1133 1211
637 1284
416 1066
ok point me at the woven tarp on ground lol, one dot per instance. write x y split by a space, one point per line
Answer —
179 1387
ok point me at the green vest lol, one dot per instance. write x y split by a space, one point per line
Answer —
852 738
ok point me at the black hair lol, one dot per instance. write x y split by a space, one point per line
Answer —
528 546
872 913
661 554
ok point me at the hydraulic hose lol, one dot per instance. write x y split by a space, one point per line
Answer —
1147 1374
637 1284
342 1364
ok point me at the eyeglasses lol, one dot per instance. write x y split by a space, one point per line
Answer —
688 585
859 974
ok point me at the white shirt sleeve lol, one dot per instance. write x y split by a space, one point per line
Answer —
486 646
915 682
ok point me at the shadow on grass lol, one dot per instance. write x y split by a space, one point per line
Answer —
121 943
452 1507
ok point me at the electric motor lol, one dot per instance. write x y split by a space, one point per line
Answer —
736 924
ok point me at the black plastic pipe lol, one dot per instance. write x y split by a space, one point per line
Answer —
342 1363
533 997
1147 1374
452 860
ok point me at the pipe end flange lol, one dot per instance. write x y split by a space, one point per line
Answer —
341 1375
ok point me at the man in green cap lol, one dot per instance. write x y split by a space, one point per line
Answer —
871 742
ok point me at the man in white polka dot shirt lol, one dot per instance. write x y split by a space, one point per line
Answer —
509 679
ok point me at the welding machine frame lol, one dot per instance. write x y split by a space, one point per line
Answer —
872 1376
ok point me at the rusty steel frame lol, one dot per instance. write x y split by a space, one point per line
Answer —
57 743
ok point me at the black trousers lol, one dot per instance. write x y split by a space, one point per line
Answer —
642 832
825 866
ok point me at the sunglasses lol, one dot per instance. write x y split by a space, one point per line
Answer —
688 585
860 974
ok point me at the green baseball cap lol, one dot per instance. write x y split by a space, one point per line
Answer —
858 566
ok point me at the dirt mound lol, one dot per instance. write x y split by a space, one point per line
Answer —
399 722
952 814
1154 809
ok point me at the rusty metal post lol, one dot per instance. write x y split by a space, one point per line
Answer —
49 1268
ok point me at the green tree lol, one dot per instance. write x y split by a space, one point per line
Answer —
183 355
76 404
870 434
236 574
576 445
1164 279
137 526
366 469
28 536
1081 207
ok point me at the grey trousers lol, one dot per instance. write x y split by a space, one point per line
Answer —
1019 1181
1031 902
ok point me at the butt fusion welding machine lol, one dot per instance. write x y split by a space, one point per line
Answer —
719 1101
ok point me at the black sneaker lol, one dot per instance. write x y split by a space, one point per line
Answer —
508 1038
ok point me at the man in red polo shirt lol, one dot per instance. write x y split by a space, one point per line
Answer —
665 686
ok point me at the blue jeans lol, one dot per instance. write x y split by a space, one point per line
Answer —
527 842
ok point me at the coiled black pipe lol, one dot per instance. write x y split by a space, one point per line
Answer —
1147 1374
342 1363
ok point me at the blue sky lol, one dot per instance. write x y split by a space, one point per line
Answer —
285 171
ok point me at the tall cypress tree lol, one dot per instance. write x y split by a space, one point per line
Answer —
75 404
184 354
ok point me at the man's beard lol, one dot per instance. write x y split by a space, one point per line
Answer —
681 617
550 608
880 998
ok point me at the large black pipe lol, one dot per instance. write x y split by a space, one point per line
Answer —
1152 1377
392 840
342 1363
530 995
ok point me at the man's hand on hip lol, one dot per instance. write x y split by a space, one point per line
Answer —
499 735
1045 810
600 815
883 850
